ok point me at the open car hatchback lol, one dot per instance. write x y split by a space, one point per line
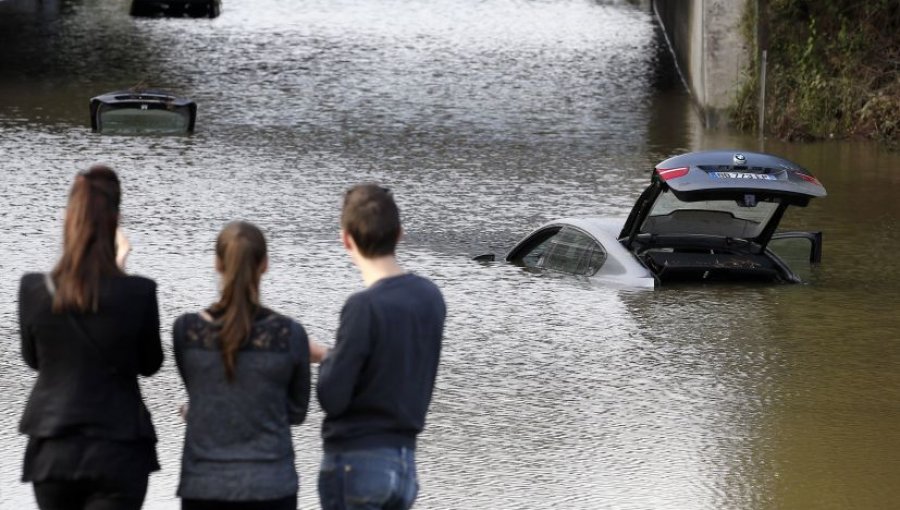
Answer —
711 216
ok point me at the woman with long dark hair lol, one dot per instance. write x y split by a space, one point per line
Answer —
89 330
246 370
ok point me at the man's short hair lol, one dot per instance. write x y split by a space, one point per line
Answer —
372 219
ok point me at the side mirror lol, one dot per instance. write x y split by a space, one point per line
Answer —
486 257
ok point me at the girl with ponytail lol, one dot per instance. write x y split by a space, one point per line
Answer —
246 370
89 330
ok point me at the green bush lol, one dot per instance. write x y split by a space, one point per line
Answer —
833 70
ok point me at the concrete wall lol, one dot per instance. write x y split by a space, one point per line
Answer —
712 54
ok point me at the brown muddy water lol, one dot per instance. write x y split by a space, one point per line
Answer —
486 117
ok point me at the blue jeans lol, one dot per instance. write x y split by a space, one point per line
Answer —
376 479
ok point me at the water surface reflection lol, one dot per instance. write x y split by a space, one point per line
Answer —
486 118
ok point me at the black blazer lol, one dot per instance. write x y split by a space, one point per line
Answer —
78 390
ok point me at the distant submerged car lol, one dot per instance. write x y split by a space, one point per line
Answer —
142 112
176 8
706 216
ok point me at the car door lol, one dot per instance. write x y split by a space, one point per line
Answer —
564 250
799 251
794 244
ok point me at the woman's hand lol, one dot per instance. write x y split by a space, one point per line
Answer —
317 351
123 248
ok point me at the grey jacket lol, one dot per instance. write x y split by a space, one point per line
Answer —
238 446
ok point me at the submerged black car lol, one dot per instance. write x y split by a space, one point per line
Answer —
142 112
705 216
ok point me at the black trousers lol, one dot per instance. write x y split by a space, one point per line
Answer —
288 503
90 494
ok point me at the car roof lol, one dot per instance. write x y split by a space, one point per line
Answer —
147 95
727 173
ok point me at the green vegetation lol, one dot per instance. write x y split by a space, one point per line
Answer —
833 70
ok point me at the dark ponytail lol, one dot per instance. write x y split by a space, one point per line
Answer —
89 240
240 256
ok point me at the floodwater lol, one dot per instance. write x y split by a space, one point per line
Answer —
486 117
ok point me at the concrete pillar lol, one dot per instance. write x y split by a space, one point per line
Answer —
710 50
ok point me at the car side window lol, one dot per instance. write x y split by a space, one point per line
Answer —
574 252
529 253
533 258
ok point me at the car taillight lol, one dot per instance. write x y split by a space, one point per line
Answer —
667 174
809 178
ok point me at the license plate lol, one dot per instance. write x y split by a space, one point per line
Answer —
742 175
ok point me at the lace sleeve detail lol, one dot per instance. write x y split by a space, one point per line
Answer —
270 334
200 333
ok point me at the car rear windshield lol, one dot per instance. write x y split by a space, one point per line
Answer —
131 120
726 218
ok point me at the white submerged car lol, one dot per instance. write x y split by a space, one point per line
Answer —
706 216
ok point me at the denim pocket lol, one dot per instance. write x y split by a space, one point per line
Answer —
365 483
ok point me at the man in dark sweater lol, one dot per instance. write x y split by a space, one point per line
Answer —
376 384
